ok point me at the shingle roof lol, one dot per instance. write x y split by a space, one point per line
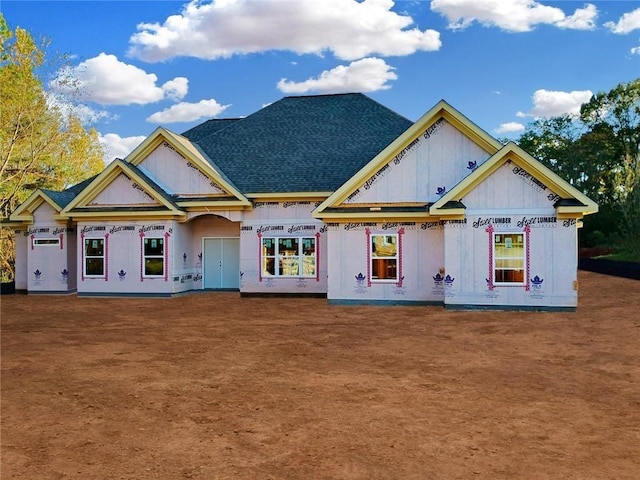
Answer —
205 129
300 144
64 197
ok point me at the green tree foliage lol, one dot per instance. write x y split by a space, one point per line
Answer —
599 153
43 143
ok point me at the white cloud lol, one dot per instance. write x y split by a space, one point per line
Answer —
582 19
510 127
512 15
176 89
549 103
635 51
116 146
628 22
187 112
366 75
107 81
350 29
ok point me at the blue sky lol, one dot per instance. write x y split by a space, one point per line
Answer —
502 63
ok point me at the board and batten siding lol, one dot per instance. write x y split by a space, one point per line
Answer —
437 160
281 219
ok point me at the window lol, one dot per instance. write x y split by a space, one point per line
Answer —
384 257
153 257
289 257
508 258
94 257
39 242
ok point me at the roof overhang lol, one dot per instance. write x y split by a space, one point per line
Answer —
573 202
442 110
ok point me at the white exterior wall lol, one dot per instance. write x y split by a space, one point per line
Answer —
552 258
438 159
124 260
280 219
421 259
511 201
48 267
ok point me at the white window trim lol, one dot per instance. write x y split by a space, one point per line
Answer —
103 257
300 257
523 258
52 242
396 257
144 258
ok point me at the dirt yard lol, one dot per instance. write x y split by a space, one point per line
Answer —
214 386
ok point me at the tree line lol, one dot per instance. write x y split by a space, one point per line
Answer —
598 152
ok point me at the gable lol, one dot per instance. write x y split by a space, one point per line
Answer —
184 171
434 161
178 175
123 191
39 205
511 187
443 141
509 162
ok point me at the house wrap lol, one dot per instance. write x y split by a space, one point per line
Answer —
330 195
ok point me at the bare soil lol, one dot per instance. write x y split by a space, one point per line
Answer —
214 386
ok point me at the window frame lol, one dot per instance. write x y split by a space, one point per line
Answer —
277 257
379 258
146 256
50 242
496 258
87 257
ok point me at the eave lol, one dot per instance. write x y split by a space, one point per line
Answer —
188 151
573 201
24 213
289 196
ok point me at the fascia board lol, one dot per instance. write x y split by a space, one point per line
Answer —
364 216
15 225
136 215
214 205
104 180
184 146
25 211
289 196
512 152
147 146
550 178
95 187
441 110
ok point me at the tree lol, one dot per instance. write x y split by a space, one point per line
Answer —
619 109
43 143
598 152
